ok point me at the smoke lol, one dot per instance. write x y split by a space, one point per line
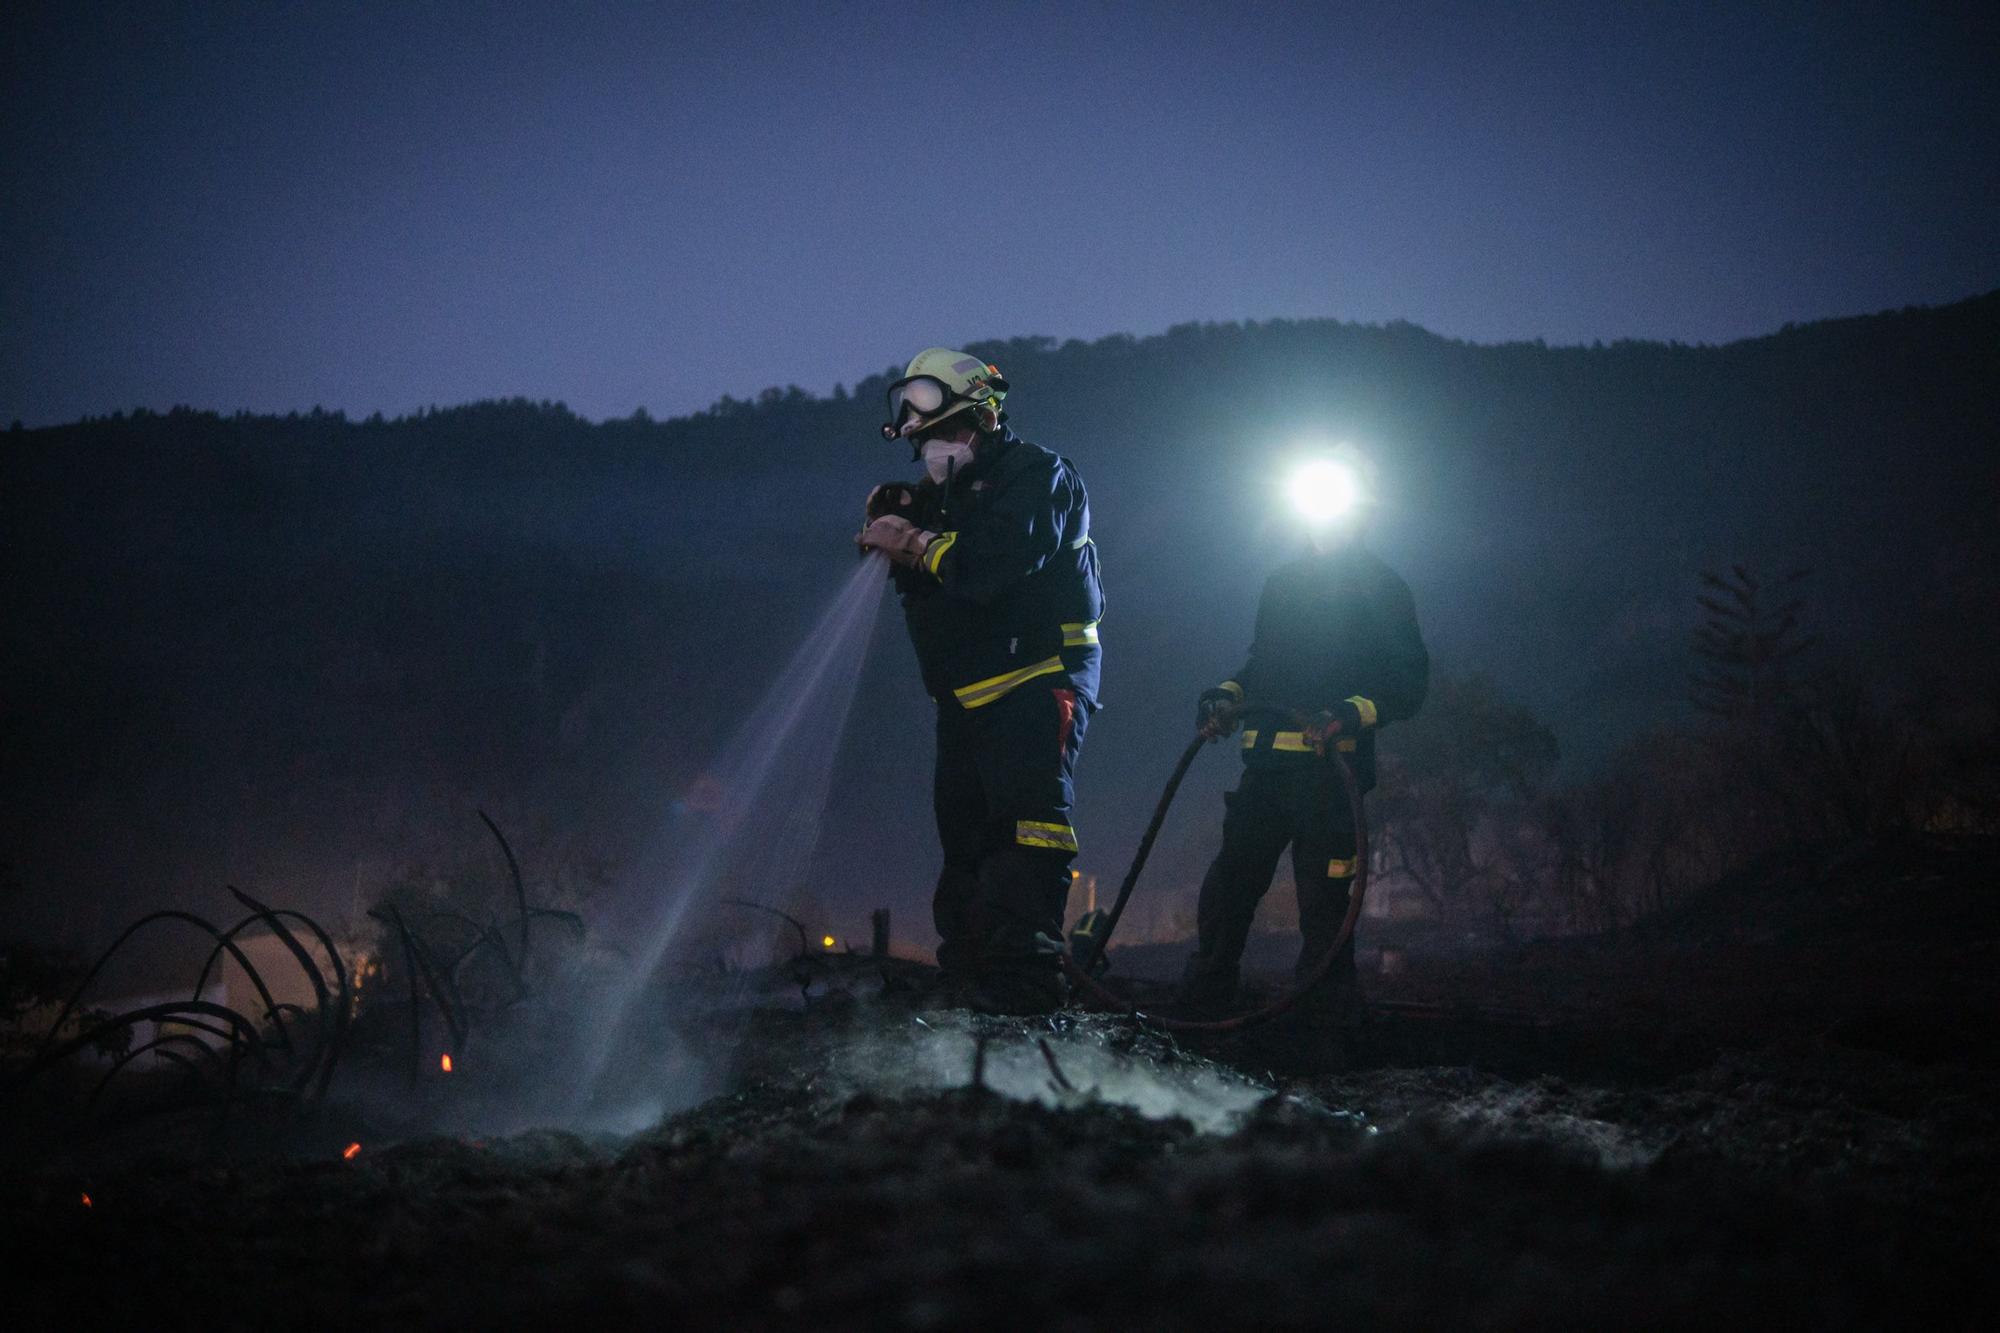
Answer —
754 832
1100 1060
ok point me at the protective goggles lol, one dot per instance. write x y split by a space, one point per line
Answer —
914 400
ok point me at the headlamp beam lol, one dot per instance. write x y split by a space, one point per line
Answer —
1324 491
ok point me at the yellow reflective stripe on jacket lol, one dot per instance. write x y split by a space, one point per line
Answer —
1365 707
1339 869
1286 742
1295 742
983 692
935 555
1034 833
1079 633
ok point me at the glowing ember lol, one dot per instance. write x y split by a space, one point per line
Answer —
350 1151
828 941
444 1062
86 1201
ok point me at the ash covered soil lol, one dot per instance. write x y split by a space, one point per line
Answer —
1776 1108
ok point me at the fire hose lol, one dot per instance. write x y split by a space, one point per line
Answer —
1081 972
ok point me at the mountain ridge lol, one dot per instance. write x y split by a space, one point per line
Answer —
301 647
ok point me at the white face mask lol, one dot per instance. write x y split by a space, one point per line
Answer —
942 459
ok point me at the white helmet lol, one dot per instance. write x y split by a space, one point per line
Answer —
940 383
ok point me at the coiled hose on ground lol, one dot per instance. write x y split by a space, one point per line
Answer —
1081 971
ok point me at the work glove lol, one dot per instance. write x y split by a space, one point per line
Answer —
1343 719
892 497
1215 713
896 537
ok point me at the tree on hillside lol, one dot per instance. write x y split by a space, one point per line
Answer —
1800 757
1451 813
1747 645
1627 841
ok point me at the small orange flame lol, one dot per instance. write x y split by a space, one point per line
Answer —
828 941
86 1201
444 1062
348 1153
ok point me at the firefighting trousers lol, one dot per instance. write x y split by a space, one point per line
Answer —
1004 785
1299 805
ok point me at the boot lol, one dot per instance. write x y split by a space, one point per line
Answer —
1019 971
1020 989
1206 995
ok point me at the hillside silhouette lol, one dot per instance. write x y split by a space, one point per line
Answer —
299 650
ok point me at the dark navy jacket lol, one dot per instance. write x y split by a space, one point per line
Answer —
1336 632
1008 593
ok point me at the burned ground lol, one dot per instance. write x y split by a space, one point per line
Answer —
1775 1110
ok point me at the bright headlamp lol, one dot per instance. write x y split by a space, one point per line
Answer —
1324 491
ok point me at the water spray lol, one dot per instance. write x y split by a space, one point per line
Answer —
774 781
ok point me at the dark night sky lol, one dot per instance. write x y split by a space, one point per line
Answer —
271 206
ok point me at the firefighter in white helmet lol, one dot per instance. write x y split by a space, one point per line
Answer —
998 578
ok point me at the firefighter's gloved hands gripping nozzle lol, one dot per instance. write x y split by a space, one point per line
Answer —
1343 719
892 497
1215 713
891 528
896 537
